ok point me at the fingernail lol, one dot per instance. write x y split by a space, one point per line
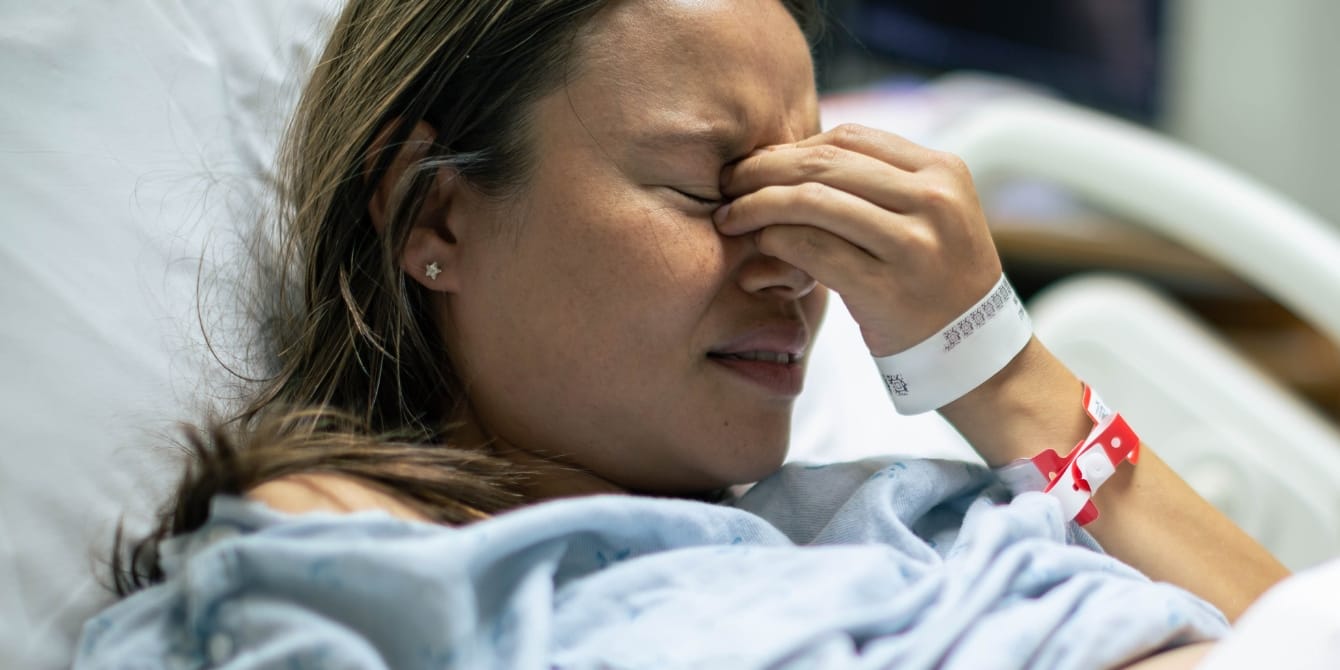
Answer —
719 216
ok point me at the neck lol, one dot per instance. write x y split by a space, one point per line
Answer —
550 478
547 477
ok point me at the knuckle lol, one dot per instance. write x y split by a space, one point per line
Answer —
939 196
922 242
789 241
850 135
953 164
808 240
820 160
805 246
811 194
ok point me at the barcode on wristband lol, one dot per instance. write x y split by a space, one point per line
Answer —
960 356
1001 301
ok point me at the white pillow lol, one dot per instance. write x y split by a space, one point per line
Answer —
131 133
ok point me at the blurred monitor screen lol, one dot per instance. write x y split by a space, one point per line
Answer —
1104 53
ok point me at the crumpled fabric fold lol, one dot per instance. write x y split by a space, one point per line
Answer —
874 564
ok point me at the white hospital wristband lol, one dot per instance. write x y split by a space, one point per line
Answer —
964 354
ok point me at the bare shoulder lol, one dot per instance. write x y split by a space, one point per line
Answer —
324 492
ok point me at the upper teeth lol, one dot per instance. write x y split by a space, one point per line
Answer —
769 356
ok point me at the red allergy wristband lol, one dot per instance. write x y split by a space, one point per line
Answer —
1075 478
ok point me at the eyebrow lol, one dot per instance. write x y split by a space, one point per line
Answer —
719 140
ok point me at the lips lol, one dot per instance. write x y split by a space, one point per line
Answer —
768 357
764 356
788 337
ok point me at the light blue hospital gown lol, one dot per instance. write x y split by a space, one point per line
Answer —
875 564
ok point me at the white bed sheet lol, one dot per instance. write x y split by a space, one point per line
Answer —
1295 625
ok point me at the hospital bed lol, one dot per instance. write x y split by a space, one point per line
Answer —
136 139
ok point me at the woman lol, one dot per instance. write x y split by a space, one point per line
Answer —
550 248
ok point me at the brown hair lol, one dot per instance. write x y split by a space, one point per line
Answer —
359 383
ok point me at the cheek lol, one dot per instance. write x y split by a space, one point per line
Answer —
680 252
562 336
597 285
654 262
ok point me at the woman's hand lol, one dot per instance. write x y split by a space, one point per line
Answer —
895 228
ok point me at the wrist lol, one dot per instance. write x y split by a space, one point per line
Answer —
1026 407
963 355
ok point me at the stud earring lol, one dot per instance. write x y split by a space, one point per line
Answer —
432 270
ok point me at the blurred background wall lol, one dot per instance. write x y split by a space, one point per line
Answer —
1256 84
1252 83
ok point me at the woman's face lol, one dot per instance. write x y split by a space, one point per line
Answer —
601 320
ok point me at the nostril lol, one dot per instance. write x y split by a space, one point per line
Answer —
775 277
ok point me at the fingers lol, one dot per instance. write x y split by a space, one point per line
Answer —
881 192
873 230
829 259
885 169
893 149
859 174
895 228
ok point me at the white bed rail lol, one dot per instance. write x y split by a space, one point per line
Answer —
1285 251
1242 440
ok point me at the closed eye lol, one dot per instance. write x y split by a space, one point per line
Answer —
712 202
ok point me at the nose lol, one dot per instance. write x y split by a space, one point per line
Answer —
774 277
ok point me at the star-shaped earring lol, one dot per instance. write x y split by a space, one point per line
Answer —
432 270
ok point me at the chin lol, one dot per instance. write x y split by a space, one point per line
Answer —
720 470
764 465
755 462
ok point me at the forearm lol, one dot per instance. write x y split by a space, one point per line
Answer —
1149 517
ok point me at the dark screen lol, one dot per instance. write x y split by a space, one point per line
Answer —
1100 52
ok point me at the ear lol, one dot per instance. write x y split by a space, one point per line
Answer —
431 252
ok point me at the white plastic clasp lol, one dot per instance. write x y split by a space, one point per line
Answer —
1095 467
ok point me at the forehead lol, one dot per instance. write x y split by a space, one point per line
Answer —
733 72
